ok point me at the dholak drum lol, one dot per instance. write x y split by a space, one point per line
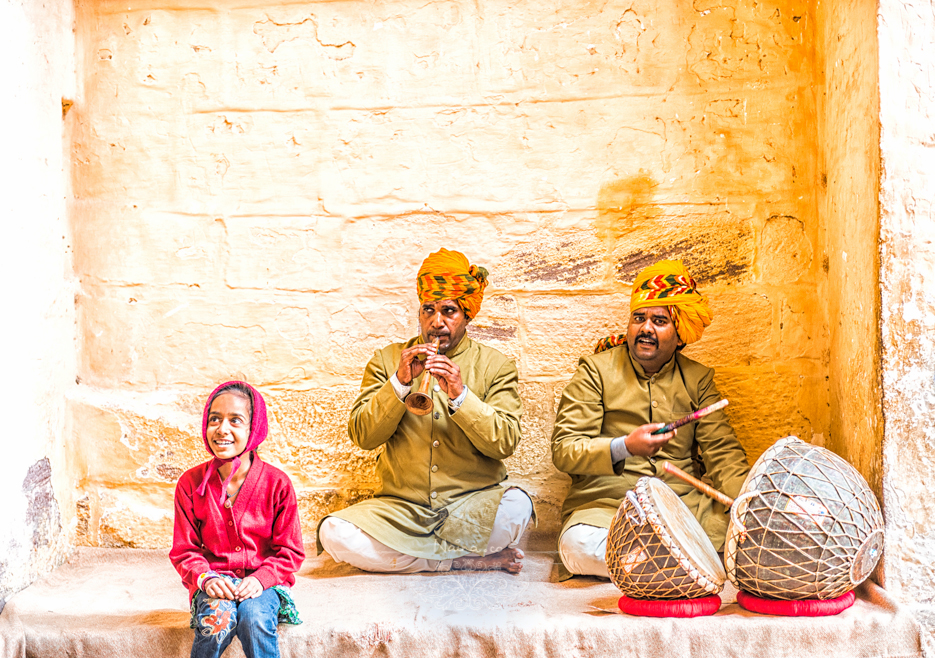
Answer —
656 549
805 525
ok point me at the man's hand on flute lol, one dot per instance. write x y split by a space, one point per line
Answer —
410 365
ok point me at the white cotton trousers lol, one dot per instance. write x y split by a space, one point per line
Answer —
582 549
345 542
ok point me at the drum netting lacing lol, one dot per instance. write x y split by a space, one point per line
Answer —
645 563
809 526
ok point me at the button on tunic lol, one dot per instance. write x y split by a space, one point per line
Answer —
609 396
439 473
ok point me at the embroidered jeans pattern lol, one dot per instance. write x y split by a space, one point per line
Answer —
253 621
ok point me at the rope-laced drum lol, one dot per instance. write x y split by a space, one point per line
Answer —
656 549
805 525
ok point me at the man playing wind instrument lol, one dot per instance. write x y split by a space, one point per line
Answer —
440 505
632 385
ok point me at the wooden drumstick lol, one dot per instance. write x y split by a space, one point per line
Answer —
724 499
420 402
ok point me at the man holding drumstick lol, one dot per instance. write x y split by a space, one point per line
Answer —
630 387
440 505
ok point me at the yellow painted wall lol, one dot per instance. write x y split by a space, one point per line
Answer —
257 185
849 188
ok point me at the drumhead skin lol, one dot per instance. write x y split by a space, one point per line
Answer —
685 531
805 526
656 549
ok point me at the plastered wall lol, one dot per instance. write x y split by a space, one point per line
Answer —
38 347
256 185
907 228
848 188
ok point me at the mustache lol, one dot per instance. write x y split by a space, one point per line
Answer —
649 338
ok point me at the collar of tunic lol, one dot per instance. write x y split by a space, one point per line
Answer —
641 374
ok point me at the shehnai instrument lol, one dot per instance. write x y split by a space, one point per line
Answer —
420 402
656 549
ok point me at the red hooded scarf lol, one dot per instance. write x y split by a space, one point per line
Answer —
259 428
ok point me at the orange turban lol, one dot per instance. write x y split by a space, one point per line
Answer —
668 283
447 275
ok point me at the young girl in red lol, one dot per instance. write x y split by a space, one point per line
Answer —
237 541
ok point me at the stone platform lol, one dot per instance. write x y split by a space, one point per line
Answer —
130 603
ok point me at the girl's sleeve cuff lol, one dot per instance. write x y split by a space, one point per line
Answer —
207 575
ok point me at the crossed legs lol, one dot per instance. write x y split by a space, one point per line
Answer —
582 549
345 542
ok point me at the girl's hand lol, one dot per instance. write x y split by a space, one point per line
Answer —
219 588
249 588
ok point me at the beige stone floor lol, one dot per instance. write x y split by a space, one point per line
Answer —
119 602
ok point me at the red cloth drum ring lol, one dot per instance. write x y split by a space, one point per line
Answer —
706 605
800 608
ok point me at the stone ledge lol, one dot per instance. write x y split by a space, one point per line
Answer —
124 602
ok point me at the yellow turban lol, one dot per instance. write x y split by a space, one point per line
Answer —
668 283
447 275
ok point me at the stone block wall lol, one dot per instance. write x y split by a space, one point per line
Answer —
38 347
255 187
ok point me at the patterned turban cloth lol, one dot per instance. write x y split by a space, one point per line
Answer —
447 275
667 283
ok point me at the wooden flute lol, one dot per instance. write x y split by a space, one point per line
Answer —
420 402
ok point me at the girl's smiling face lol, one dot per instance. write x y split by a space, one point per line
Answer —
229 425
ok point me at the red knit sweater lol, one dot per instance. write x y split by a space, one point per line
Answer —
259 536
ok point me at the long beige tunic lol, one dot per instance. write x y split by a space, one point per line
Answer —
439 473
609 396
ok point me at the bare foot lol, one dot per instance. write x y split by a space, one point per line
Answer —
509 560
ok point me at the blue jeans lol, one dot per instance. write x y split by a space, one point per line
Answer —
254 621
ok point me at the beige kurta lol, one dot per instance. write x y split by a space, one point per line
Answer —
440 474
610 396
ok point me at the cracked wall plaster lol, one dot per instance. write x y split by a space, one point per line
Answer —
907 264
257 187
